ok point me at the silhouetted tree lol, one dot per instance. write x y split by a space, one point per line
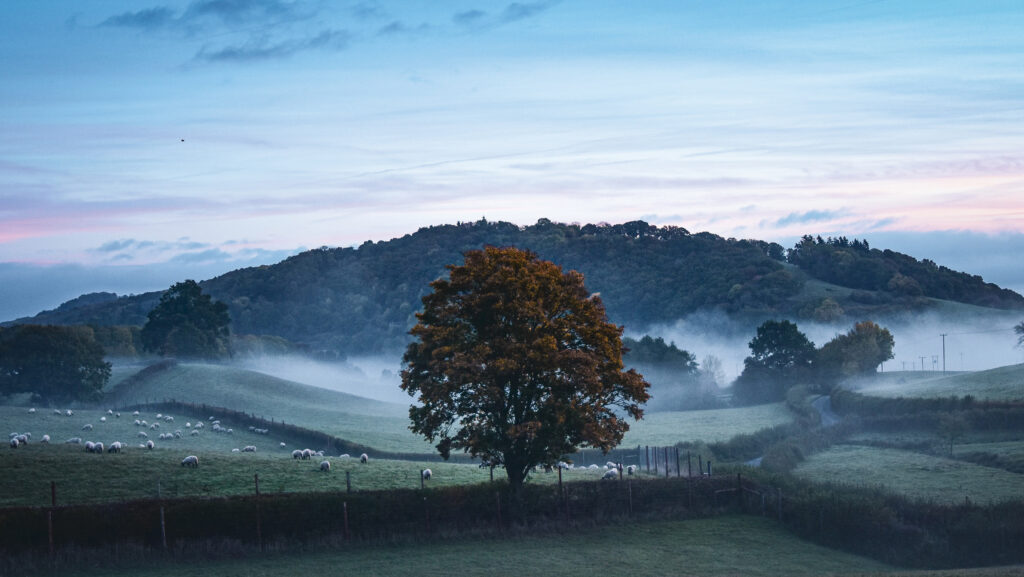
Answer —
857 352
187 323
515 362
53 363
780 357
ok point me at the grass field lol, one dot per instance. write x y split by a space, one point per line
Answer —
83 477
722 546
914 475
671 427
383 426
1003 383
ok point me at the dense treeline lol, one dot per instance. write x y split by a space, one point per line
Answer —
856 265
365 299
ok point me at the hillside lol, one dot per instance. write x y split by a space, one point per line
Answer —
999 384
364 299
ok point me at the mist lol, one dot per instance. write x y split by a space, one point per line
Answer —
371 377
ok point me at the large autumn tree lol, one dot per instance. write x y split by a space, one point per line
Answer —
187 323
515 362
857 352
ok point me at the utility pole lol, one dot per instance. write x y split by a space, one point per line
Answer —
943 352
922 362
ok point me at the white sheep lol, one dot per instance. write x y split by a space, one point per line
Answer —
150 445
154 426
89 445
364 458
249 449
194 433
103 419
426 474
57 412
97 448
23 439
87 427
118 415
283 445
142 434
190 461
74 441
159 415
32 411
236 450
69 413
610 474
307 454
325 466
611 465
15 444
45 439
115 447
110 411
631 470
296 454
344 456
135 413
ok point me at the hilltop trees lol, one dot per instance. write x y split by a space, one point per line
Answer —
857 352
55 364
187 323
514 362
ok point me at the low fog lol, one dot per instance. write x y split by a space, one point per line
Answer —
371 377
973 343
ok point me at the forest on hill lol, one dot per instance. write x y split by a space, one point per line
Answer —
364 299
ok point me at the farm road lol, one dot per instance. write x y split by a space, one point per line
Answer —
824 407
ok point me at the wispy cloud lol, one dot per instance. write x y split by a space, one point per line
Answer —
810 216
513 12
264 48
146 19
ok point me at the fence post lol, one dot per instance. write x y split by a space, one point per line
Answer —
344 507
49 514
679 471
163 526
666 462
259 520
422 481
647 457
689 465
559 479
348 482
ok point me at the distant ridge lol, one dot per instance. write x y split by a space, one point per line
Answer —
364 299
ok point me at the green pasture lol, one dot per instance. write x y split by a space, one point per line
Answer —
723 546
83 477
999 384
383 426
671 427
915 475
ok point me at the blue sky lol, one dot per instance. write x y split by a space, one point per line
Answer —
147 142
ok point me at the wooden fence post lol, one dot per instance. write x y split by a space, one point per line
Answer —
689 465
666 462
259 520
679 471
163 526
647 457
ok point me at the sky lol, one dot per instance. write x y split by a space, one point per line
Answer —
143 142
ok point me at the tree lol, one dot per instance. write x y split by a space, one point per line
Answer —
515 363
780 355
187 323
858 352
1019 329
54 363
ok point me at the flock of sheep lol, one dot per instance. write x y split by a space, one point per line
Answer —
611 470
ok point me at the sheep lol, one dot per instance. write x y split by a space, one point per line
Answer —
103 419
15 444
610 474
142 435
150 445
168 419
88 446
188 425
87 427
137 423
97 448
115 447
69 413
364 458
190 461
611 465
135 414
344 456
159 415
118 415
593 467
177 434
283 445
32 411
325 466
296 454
45 439
110 411
631 470
249 449
154 426
426 474
236 450
57 412
23 439
74 441
194 433
307 454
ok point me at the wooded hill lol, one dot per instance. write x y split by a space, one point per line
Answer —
364 299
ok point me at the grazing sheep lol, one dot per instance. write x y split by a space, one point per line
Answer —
177 434
138 423
426 474
87 427
15 444
159 415
188 425
115 447
89 445
236 450
97 448
150 445
198 425
74 441
110 411
168 419
142 434
611 465
593 467
118 415
610 474
325 466
69 413
32 411
296 454
283 445
364 458
307 454
135 414
344 456
45 439
631 470
57 412
190 461
23 439
194 433
249 449
103 419
154 426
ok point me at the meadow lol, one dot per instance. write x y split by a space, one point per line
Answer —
999 384
671 427
914 475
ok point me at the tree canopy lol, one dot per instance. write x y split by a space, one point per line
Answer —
54 364
514 362
780 356
857 352
187 323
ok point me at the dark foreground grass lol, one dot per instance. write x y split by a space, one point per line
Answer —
733 545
